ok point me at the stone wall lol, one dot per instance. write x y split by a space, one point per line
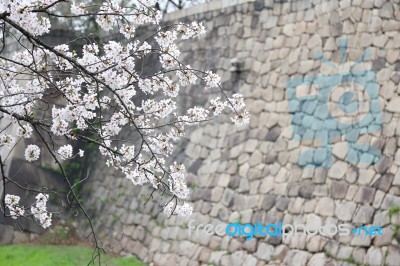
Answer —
256 173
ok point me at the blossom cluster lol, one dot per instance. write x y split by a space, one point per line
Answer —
100 99
12 203
38 210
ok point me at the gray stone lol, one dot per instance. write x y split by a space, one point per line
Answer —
365 195
344 252
282 203
314 244
280 252
381 218
359 255
394 105
340 150
227 197
256 158
339 189
317 260
20 237
361 240
6 234
306 189
385 239
268 202
384 182
374 256
387 11
251 145
390 25
379 63
390 201
295 205
331 247
364 215
366 176
325 207
345 211
264 251
273 134
393 256
250 260
314 41
338 170
215 256
300 258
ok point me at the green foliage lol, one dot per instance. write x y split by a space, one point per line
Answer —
21 255
328 254
394 210
350 259
194 186
396 228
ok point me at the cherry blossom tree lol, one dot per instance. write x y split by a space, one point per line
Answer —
104 92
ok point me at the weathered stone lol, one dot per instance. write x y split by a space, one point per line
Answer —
365 176
314 244
325 207
385 239
379 63
340 150
390 201
300 258
382 218
264 251
318 259
280 252
339 189
256 158
268 202
331 247
345 211
267 184
6 234
376 24
384 182
338 170
390 25
295 205
344 252
314 41
364 215
251 145
359 255
306 189
393 257
386 10
361 240
282 203
365 195
394 105
310 206
374 256
348 27
20 237
282 176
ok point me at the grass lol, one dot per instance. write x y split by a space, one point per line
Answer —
24 255
394 210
